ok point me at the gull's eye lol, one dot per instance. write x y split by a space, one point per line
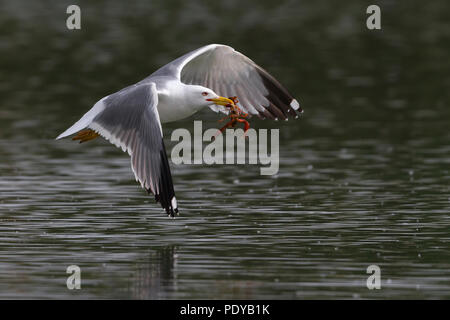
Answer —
204 93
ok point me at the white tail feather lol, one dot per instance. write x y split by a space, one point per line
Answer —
85 120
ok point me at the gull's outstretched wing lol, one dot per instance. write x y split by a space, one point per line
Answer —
130 120
230 73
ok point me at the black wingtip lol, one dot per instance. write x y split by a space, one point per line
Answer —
171 207
165 194
281 103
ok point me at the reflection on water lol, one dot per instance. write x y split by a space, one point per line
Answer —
364 175
156 279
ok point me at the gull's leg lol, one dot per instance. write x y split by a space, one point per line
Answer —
86 135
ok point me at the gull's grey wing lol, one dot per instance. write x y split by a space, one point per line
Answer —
130 120
230 73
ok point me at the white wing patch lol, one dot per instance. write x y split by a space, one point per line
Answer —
295 105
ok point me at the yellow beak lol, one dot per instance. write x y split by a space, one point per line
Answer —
221 101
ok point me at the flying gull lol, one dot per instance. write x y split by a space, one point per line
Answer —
131 118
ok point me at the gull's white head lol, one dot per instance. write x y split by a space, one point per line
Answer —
202 96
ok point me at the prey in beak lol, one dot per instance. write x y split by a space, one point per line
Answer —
236 114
